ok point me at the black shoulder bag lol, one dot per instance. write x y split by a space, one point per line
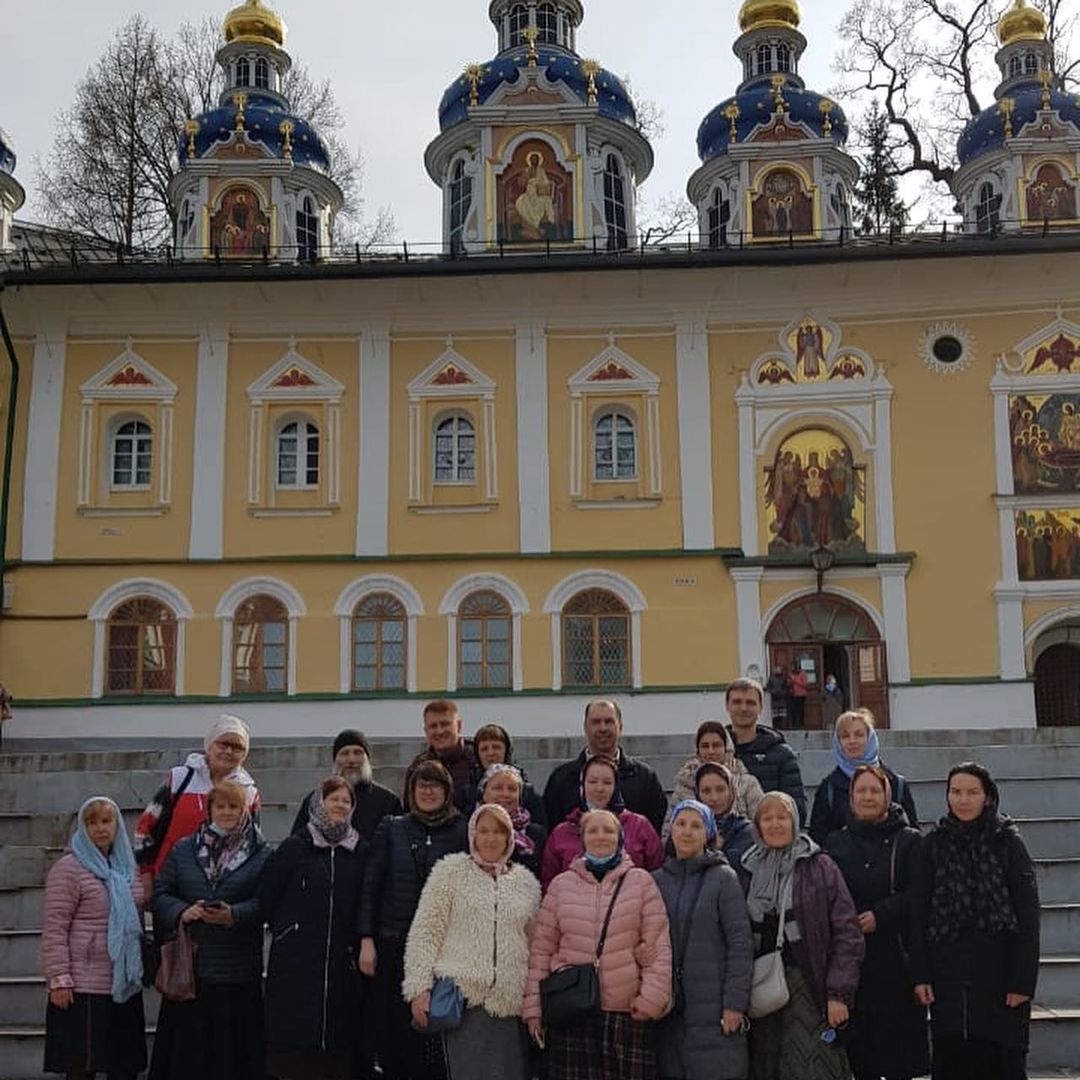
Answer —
573 992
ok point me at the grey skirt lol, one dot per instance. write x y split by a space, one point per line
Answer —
486 1046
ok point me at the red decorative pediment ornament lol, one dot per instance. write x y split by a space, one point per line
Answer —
774 373
293 377
130 376
611 372
451 376
1061 354
848 367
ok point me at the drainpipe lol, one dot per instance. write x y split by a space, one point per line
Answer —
9 443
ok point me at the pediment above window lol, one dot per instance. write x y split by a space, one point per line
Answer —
451 375
295 378
614 371
131 377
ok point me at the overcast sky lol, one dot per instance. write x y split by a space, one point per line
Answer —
390 64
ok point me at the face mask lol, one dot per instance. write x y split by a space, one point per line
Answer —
217 830
830 684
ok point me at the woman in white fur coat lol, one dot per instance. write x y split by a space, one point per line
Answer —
472 925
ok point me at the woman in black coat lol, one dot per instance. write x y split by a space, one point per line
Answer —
878 855
403 851
310 896
975 934
714 785
209 882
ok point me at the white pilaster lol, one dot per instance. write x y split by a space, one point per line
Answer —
748 483
208 488
894 612
695 433
883 476
373 494
1002 437
1010 612
1010 567
534 479
748 613
43 446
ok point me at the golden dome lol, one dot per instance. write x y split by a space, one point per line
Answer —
760 14
254 21
1021 23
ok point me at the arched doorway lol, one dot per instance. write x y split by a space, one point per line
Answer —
1057 676
824 634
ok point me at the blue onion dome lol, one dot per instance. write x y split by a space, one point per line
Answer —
7 154
986 131
756 103
559 65
266 120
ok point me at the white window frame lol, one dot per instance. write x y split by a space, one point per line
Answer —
616 202
346 604
452 601
136 437
457 417
615 413
303 437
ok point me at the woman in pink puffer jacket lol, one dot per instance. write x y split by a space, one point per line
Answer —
90 952
634 967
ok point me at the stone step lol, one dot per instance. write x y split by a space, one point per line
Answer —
1051 838
20 952
1059 982
1059 929
1055 1038
24 999
1059 882
921 761
20 909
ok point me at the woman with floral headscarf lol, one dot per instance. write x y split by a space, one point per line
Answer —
599 790
90 951
504 785
472 927
209 883
975 934
310 895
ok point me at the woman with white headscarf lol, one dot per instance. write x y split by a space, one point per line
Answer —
472 927
90 952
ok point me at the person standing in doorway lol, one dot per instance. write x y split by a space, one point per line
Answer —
798 688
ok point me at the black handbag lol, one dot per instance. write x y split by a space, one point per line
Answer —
572 992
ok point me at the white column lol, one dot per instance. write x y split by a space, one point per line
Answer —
373 489
999 385
883 474
207 539
748 613
1010 565
534 478
43 446
695 432
894 611
1010 612
748 480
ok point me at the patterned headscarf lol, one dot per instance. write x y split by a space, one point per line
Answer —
499 865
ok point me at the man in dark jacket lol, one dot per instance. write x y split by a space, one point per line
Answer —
640 786
445 743
352 759
761 749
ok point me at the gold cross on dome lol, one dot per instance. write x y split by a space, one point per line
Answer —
240 100
530 34
191 129
590 69
473 74
1046 79
732 114
1006 106
778 92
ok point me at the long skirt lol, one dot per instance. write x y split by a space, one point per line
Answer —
602 1046
957 1058
292 1063
787 1045
218 1036
96 1035
486 1046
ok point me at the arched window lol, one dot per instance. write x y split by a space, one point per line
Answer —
307 231
460 201
783 58
547 22
455 451
614 447
764 59
243 71
485 641
1016 65
262 73
988 210
519 19
1031 64
132 455
260 647
719 219
596 640
298 455
379 643
141 648
615 204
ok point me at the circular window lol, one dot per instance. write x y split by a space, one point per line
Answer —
947 348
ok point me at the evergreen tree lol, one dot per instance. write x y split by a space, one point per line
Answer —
878 207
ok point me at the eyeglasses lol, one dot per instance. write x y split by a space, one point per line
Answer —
230 747
428 785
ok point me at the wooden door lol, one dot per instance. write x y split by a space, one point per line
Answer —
1057 686
871 681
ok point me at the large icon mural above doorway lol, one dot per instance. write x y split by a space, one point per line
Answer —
1048 544
815 494
1045 432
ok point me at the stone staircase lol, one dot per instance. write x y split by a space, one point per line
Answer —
40 786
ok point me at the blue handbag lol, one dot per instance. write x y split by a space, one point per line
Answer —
447 1006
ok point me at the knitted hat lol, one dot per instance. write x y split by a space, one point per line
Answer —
228 725
351 737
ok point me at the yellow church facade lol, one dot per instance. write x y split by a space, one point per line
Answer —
553 461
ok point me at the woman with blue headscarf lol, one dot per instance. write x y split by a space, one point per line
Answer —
91 952
703 1034
855 743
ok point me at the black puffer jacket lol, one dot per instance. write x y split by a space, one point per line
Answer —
310 896
773 762
224 954
832 803
401 856
373 803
